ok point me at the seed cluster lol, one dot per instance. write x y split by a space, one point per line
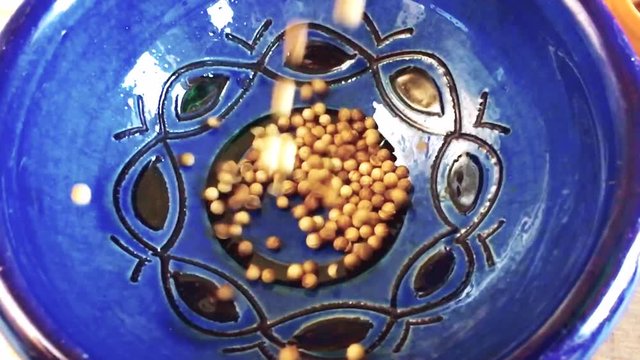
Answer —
314 162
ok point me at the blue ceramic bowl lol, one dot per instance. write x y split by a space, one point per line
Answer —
521 241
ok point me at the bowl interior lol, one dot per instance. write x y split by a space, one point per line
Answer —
90 93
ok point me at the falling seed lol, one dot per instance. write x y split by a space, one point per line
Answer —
310 266
332 270
422 146
245 248
211 194
295 43
268 276
273 243
217 207
242 218
295 272
289 352
284 92
319 86
187 159
282 202
314 241
221 231
81 194
235 230
306 92
253 273
309 281
278 154
213 122
225 293
356 352
349 12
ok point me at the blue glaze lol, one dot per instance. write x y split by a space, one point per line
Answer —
565 259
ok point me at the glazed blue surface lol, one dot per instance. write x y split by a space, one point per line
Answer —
567 183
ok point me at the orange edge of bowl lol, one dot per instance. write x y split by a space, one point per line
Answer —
629 18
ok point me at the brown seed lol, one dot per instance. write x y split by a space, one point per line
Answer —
242 218
268 276
344 114
299 211
309 281
289 352
398 196
349 209
253 202
304 188
187 159
404 184
356 352
225 293
377 201
345 153
295 272
352 234
381 230
213 122
357 115
221 231
361 157
273 243
327 233
237 201
378 187
351 261
310 266
366 231
402 172
297 120
373 218
361 145
318 131
363 250
332 270
253 272
319 86
384 154
330 128
311 202
390 180
306 224
245 248
320 108
369 123
235 230
340 243
343 175
375 242
344 222
282 202
217 207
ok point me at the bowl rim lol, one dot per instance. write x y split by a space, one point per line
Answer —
592 307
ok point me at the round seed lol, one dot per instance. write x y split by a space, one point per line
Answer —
242 218
390 180
334 214
235 230
381 230
313 241
268 276
349 209
377 174
282 202
360 217
352 234
311 202
299 211
221 231
319 86
225 188
340 243
187 159
211 194
297 121
308 114
253 273
81 194
327 233
378 187
366 180
319 221
256 189
399 197
346 191
225 293
363 251
245 248
365 168
344 114
306 224
217 207
344 222
375 242
306 92
289 352
404 184
332 270
320 108
213 122
295 272
304 188
366 231
377 201
273 243
283 123
253 202
351 261
309 281
310 266
356 352
350 165
369 123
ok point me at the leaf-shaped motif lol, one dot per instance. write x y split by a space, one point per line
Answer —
417 89
322 57
465 182
332 334
200 295
434 273
150 196
202 95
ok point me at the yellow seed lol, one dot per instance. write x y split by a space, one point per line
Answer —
249 176
402 172
325 120
377 200
283 123
390 180
318 221
356 114
242 218
311 202
365 168
377 174
268 276
372 137
340 243
327 233
369 123
319 86
187 159
360 217
306 92
346 191
352 234
217 207
282 202
349 13
221 231
245 248
213 122
304 188
262 176
366 231
356 352
256 189
381 230
404 184
319 109
289 352
399 197
363 251
310 266
332 270
351 261
366 180
334 214
378 187
273 243
336 164
309 281
308 114
295 272
295 43
284 92
81 194
299 211
225 293
349 209
225 188
304 152
253 273
344 114
344 222
375 242
350 165
297 121
235 230
306 224
253 202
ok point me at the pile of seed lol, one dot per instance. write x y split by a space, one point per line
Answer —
340 167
